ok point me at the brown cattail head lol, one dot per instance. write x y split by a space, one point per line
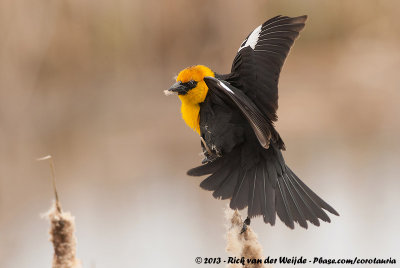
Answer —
242 244
62 229
62 235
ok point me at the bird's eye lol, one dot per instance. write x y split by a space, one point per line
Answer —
191 84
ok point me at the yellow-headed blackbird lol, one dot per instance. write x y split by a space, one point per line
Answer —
234 115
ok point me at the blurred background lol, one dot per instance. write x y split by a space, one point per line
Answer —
83 81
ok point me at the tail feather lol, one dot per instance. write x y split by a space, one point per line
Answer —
304 203
227 187
240 196
320 213
298 214
282 205
206 169
269 214
255 194
314 196
268 188
213 182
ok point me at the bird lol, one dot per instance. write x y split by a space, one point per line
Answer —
234 115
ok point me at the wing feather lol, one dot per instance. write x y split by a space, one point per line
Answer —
260 58
255 118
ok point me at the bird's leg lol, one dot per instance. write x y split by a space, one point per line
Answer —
245 224
208 153
206 146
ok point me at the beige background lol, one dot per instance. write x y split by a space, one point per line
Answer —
83 80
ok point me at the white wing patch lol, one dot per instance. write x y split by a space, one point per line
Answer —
225 87
252 39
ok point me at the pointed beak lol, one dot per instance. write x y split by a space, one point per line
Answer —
176 88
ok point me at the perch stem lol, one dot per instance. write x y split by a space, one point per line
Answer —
53 179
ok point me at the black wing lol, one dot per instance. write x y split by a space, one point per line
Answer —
258 63
249 110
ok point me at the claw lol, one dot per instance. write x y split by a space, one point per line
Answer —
244 228
245 224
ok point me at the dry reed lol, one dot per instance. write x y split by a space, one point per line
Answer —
242 245
62 235
62 230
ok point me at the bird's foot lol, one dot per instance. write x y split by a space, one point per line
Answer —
245 224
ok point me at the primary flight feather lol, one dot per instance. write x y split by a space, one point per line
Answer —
234 115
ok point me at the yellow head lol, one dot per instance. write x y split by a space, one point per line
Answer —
192 90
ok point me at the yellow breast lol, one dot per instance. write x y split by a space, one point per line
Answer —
191 115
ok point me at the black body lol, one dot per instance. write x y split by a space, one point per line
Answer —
241 146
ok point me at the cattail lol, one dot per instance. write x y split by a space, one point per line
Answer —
62 235
242 244
62 230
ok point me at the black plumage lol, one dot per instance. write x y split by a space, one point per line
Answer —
241 145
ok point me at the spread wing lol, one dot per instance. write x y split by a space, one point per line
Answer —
257 65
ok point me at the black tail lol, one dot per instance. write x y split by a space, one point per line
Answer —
268 188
